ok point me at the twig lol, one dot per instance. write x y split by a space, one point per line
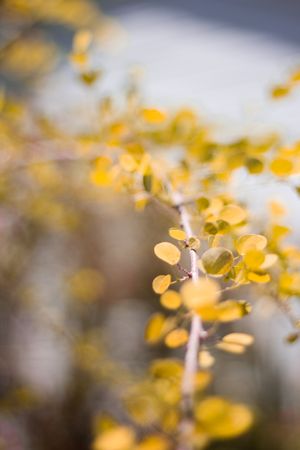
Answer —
197 333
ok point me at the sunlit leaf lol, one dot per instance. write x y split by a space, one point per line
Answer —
281 90
161 283
230 310
154 328
281 167
260 278
202 293
270 260
177 233
153 442
153 116
202 379
206 360
222 419
82 40
289 283
254 259
166 368
250 242
233 214
231 347
167 252
118 438
176 338
239 338
170 299
128 162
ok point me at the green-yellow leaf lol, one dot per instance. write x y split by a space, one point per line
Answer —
217 260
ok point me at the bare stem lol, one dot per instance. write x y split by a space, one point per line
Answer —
197 333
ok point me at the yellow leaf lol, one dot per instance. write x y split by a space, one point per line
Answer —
161 283
101 175
233 214
295 76
279 231
128 162
82 40
86 285
239 338
289 283
202 293
117 438
231 348
153 442
154 328
230 310
281 167
222 419
153 116
270 260
170 421
170 299
177 233
79 59
260 278
217 260
202 379
166 368
177 338
254 259
277 208
281 90
250 242
206 360
167 252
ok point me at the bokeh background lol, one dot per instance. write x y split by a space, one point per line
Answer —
76 282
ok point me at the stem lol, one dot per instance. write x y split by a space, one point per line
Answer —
197 333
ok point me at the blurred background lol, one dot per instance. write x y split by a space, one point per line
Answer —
77 264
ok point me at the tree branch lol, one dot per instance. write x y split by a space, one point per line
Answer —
197 333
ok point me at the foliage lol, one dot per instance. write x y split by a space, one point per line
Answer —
214 247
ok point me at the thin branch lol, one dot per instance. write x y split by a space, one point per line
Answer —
197 333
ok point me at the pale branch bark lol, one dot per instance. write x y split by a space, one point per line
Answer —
197 333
